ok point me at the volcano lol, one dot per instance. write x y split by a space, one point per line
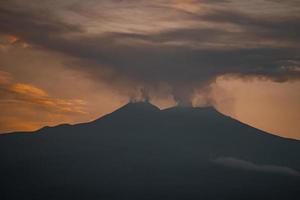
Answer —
142 152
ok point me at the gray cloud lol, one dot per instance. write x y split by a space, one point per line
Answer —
186 58
246 165
282 27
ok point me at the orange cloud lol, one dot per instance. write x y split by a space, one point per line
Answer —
7 41
21 103
33 95
4 77
11 38
13 92
27 89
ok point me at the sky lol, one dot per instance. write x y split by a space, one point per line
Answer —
72 61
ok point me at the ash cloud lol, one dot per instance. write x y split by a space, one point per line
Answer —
185 58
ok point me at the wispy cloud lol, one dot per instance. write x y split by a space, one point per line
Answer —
20 99
247 165
13 92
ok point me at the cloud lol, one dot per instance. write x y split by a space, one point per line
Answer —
249 166
147 44
5 77
15 93
27 107
8 41
26 89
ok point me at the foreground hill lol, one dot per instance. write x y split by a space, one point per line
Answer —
142 152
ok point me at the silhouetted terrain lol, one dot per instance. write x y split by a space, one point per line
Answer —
141 152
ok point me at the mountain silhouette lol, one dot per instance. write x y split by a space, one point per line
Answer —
142 152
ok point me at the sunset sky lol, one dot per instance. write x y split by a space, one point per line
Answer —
72 61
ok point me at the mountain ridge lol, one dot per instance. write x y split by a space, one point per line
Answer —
142 152
145 106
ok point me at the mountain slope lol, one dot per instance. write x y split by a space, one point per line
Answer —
141 152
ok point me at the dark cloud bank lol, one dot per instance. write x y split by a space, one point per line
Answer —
185 59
